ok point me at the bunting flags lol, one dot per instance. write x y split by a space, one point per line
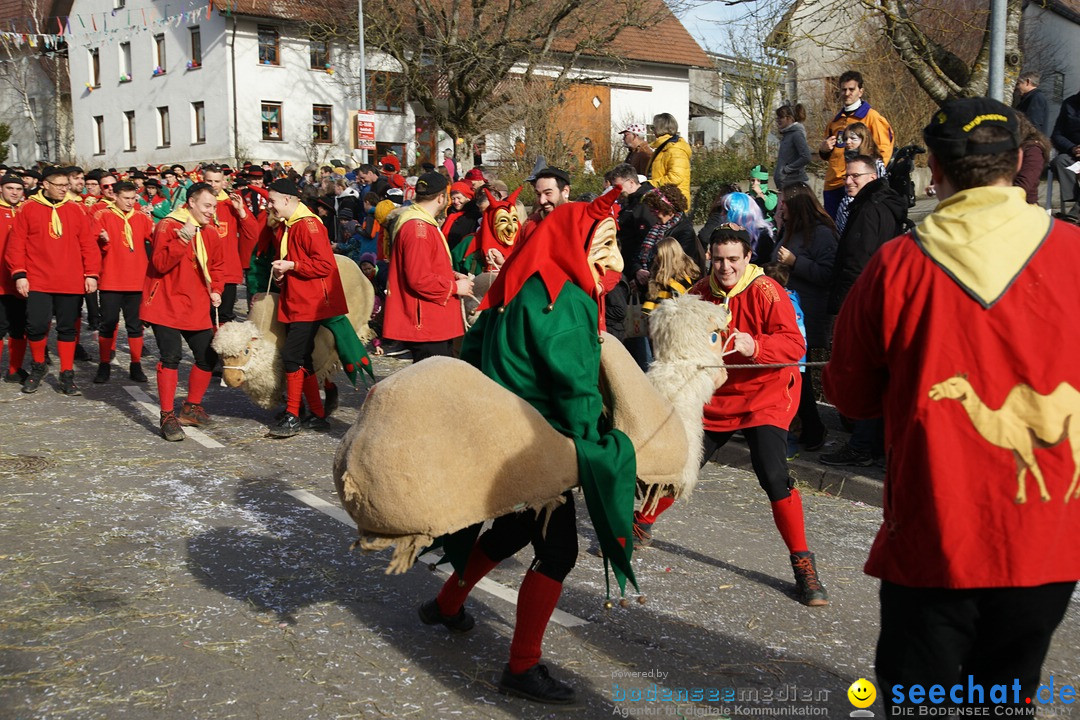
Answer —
89 32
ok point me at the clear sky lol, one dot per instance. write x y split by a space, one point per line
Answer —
703 18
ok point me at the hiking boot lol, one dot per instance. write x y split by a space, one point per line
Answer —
808 587
642 534
813 443
847 455
193 414
33 380
103 372
18 376
170 427
537 685
287 426
330 404
67 383
81 354
315 423
135 372
431 615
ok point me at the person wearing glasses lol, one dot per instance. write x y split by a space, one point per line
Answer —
876 215
54 259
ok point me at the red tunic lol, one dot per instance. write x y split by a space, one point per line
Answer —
766 396
906 333
7 221
175 292
312 290
123 269
420 303
52 264
229 227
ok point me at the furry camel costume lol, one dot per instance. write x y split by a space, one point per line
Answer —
251 350
403 493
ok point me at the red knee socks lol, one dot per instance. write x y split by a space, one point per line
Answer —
17 353
788 516
37 350
311 394
536 601
455 590
166 384
66 350
197 382
294 389
105 346
648 519
135 345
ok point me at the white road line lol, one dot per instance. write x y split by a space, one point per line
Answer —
489 586
151 410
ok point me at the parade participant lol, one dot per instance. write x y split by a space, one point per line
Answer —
306 273
552 187
538 337
31 179
391 170
946 322
12 305
91 189
229 219
159 206
422 307
77 182
760 402
497 236
54 259
123 237
183 281
172 190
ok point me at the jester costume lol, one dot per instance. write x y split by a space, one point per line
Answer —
538 337
499 229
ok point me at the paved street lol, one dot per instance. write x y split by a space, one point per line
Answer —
145 579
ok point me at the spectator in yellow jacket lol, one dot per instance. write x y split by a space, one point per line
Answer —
671 155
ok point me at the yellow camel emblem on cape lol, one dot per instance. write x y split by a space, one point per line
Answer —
1025 421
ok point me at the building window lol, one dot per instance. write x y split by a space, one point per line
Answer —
1057 86
118 4
268 45
95 68
164 131
322 124
198 123
125 62
129 130
271 121
319 50
42 149
99 135
196 47
159 54
382 93
13 153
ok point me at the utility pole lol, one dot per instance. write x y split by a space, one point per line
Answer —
997 50
363 73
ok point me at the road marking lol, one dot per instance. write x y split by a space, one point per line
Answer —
152 411
489 586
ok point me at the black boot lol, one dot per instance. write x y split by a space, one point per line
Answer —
430 614
287 426
103 372
170 427
330 404
17 377
67 383
136 373
33 380
808 587
537 685
81 354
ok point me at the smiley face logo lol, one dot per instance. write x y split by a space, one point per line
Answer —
862 693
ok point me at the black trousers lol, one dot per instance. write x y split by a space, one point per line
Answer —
112 303
555 551
423 350
170 349
938 636
227 311
40 309
768 456
299 344
12 316
93 311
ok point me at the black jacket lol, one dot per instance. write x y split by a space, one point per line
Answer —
1066 133
876 216
1033 104
683 231
811 278
635 219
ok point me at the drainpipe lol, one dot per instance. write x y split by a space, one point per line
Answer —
236 126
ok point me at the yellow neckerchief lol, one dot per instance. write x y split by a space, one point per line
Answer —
182 216
128 235
57 226
5 204
415 212
299 214
983 238
752 273
222 196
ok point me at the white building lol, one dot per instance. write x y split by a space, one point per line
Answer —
156 83
1051 34
719 108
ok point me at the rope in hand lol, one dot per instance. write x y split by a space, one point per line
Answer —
752 366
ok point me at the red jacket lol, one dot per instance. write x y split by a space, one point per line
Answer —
420 303
967 391
230 227
175 292
52 264
123 269
311 290
250 231
7 221
767 396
